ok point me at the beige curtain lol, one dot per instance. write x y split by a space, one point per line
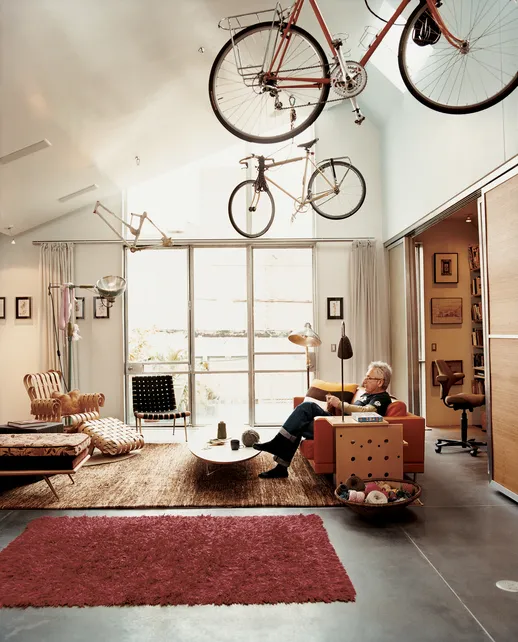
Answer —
368 320
56 268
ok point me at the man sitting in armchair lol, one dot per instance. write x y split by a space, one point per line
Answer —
300 423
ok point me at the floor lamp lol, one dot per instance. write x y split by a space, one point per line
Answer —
307 338
108 288
345 351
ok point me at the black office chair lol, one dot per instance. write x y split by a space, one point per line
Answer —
461 401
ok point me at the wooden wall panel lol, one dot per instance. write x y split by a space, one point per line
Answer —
502 257
504 420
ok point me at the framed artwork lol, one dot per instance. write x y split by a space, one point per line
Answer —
456 366
446 268
446 311
23 307
79 312
335 308
2 307
101 311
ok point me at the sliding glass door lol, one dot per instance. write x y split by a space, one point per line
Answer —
218 319
220 333
282 303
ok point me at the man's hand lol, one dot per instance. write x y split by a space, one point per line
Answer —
333 402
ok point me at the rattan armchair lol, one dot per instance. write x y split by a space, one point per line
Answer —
40 387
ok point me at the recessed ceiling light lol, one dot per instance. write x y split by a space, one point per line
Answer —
24 151
79 192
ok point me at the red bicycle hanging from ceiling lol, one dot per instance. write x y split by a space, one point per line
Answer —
272 79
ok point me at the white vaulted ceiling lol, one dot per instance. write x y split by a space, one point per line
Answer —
108 80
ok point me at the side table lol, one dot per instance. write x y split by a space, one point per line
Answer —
368 450
50 426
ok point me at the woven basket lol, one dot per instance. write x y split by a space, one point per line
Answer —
382 510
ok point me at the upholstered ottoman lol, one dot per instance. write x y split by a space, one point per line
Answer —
43 454
112 436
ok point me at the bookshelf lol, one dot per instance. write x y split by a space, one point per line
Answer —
477 337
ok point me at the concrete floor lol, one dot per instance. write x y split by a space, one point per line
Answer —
429 577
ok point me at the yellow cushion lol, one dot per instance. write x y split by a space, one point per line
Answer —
331 386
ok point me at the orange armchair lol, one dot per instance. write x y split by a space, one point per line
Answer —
320 451
49 402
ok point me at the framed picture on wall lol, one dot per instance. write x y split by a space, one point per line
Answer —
2 307
335 308
446 311
80 307
446 268
101 311
23 307
456 366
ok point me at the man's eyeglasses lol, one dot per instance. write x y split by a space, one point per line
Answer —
372 379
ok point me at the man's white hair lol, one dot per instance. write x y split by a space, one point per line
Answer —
383 370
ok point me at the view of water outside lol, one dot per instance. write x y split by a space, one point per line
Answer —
158 327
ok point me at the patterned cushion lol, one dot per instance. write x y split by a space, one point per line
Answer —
69 402
43 445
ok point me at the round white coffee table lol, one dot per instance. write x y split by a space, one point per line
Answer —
200 447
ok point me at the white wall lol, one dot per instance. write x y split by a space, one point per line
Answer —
339 136
100 349
429 157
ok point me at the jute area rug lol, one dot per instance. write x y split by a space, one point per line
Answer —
171 560
170 476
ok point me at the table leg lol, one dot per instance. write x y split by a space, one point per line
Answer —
50 486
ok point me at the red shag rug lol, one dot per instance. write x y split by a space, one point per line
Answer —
170 560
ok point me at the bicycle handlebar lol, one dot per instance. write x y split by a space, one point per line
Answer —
243 161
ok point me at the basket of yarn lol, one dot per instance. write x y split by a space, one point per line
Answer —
377 497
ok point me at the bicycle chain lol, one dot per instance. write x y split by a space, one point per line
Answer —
320 102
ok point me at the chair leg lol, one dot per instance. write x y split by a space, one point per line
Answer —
185 427
71 479
174 425
472 444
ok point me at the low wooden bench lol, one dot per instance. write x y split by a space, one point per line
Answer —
43 454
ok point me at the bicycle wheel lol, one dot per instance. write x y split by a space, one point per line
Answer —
259 110
453 81
251 213
337 189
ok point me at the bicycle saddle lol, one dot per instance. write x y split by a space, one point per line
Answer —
309 145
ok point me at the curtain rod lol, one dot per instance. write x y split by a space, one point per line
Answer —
181 242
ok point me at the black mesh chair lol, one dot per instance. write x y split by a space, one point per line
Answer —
461 401
153 398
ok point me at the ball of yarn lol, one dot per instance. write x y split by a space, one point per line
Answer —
360 497
355 483
250 437
376 497
371 486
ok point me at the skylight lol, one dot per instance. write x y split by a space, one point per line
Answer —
385 57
